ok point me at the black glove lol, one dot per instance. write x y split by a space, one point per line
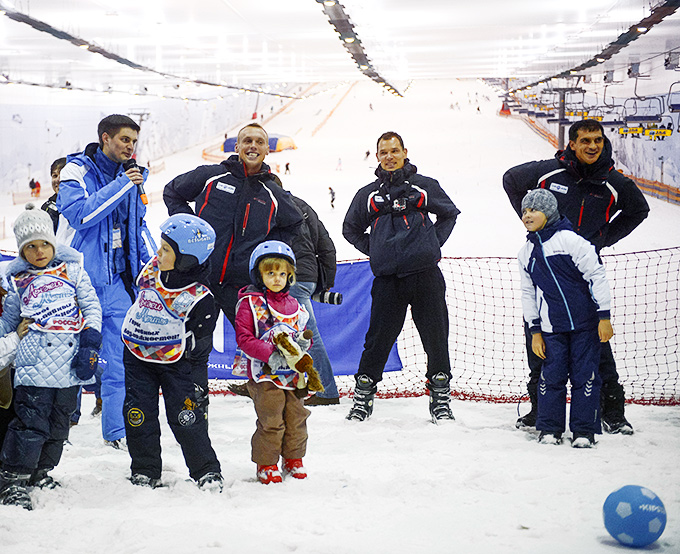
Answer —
85 361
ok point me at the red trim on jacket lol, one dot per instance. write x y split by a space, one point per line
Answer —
226 259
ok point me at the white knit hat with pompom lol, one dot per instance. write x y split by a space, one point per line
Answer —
33 225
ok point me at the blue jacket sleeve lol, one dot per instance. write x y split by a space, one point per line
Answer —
11 313
88 300
85 209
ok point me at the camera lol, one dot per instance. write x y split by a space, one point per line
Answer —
327 297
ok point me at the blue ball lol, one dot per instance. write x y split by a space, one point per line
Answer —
634 516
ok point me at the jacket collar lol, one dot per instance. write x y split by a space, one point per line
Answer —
238 168
598 171
393 182
62 253
562 224
176 280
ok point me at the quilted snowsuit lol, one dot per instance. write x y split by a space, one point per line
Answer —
46 387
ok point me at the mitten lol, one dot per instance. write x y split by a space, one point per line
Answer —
85 361
276 361
304 339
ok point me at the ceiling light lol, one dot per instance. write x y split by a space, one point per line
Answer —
600 60
329 3
363 67
349 40
642 29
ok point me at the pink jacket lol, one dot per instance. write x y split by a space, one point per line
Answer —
249 328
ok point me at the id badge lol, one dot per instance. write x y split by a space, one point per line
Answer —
117 238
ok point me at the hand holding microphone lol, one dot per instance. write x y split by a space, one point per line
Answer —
135 175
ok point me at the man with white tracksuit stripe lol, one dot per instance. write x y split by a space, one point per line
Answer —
101 201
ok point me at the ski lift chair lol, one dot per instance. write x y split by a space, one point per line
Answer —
673 99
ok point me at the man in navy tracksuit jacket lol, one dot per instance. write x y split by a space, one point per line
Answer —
566 301
243 204
603 206
404 248
101 202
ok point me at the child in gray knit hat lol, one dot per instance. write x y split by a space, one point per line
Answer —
49 286
541 200
566 302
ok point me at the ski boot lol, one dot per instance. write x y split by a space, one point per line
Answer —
364 391
440 397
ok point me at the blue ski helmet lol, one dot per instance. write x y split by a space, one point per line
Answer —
268 249
191 238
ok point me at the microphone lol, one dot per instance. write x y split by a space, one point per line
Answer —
132 164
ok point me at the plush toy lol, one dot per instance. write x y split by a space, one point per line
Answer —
299 360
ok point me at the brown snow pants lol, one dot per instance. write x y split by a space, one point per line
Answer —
281 424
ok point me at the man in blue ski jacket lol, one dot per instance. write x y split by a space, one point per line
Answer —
101 201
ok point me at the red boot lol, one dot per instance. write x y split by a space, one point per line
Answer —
294 468
268 474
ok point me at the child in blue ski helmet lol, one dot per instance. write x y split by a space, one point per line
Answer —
270 251
191 238
168 335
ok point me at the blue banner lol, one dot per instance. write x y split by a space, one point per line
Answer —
342 327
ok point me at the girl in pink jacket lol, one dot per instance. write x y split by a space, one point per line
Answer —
264 310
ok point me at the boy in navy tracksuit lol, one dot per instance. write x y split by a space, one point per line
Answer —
168 335
566 302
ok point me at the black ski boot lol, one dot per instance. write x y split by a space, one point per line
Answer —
13 490
42 480
529 420
612 403
440 397
364 391
145 481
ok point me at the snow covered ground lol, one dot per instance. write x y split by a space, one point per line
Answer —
395 483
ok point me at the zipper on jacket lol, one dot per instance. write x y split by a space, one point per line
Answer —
580 214
226 259
564 299
245 220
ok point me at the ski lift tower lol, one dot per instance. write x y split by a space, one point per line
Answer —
561 110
